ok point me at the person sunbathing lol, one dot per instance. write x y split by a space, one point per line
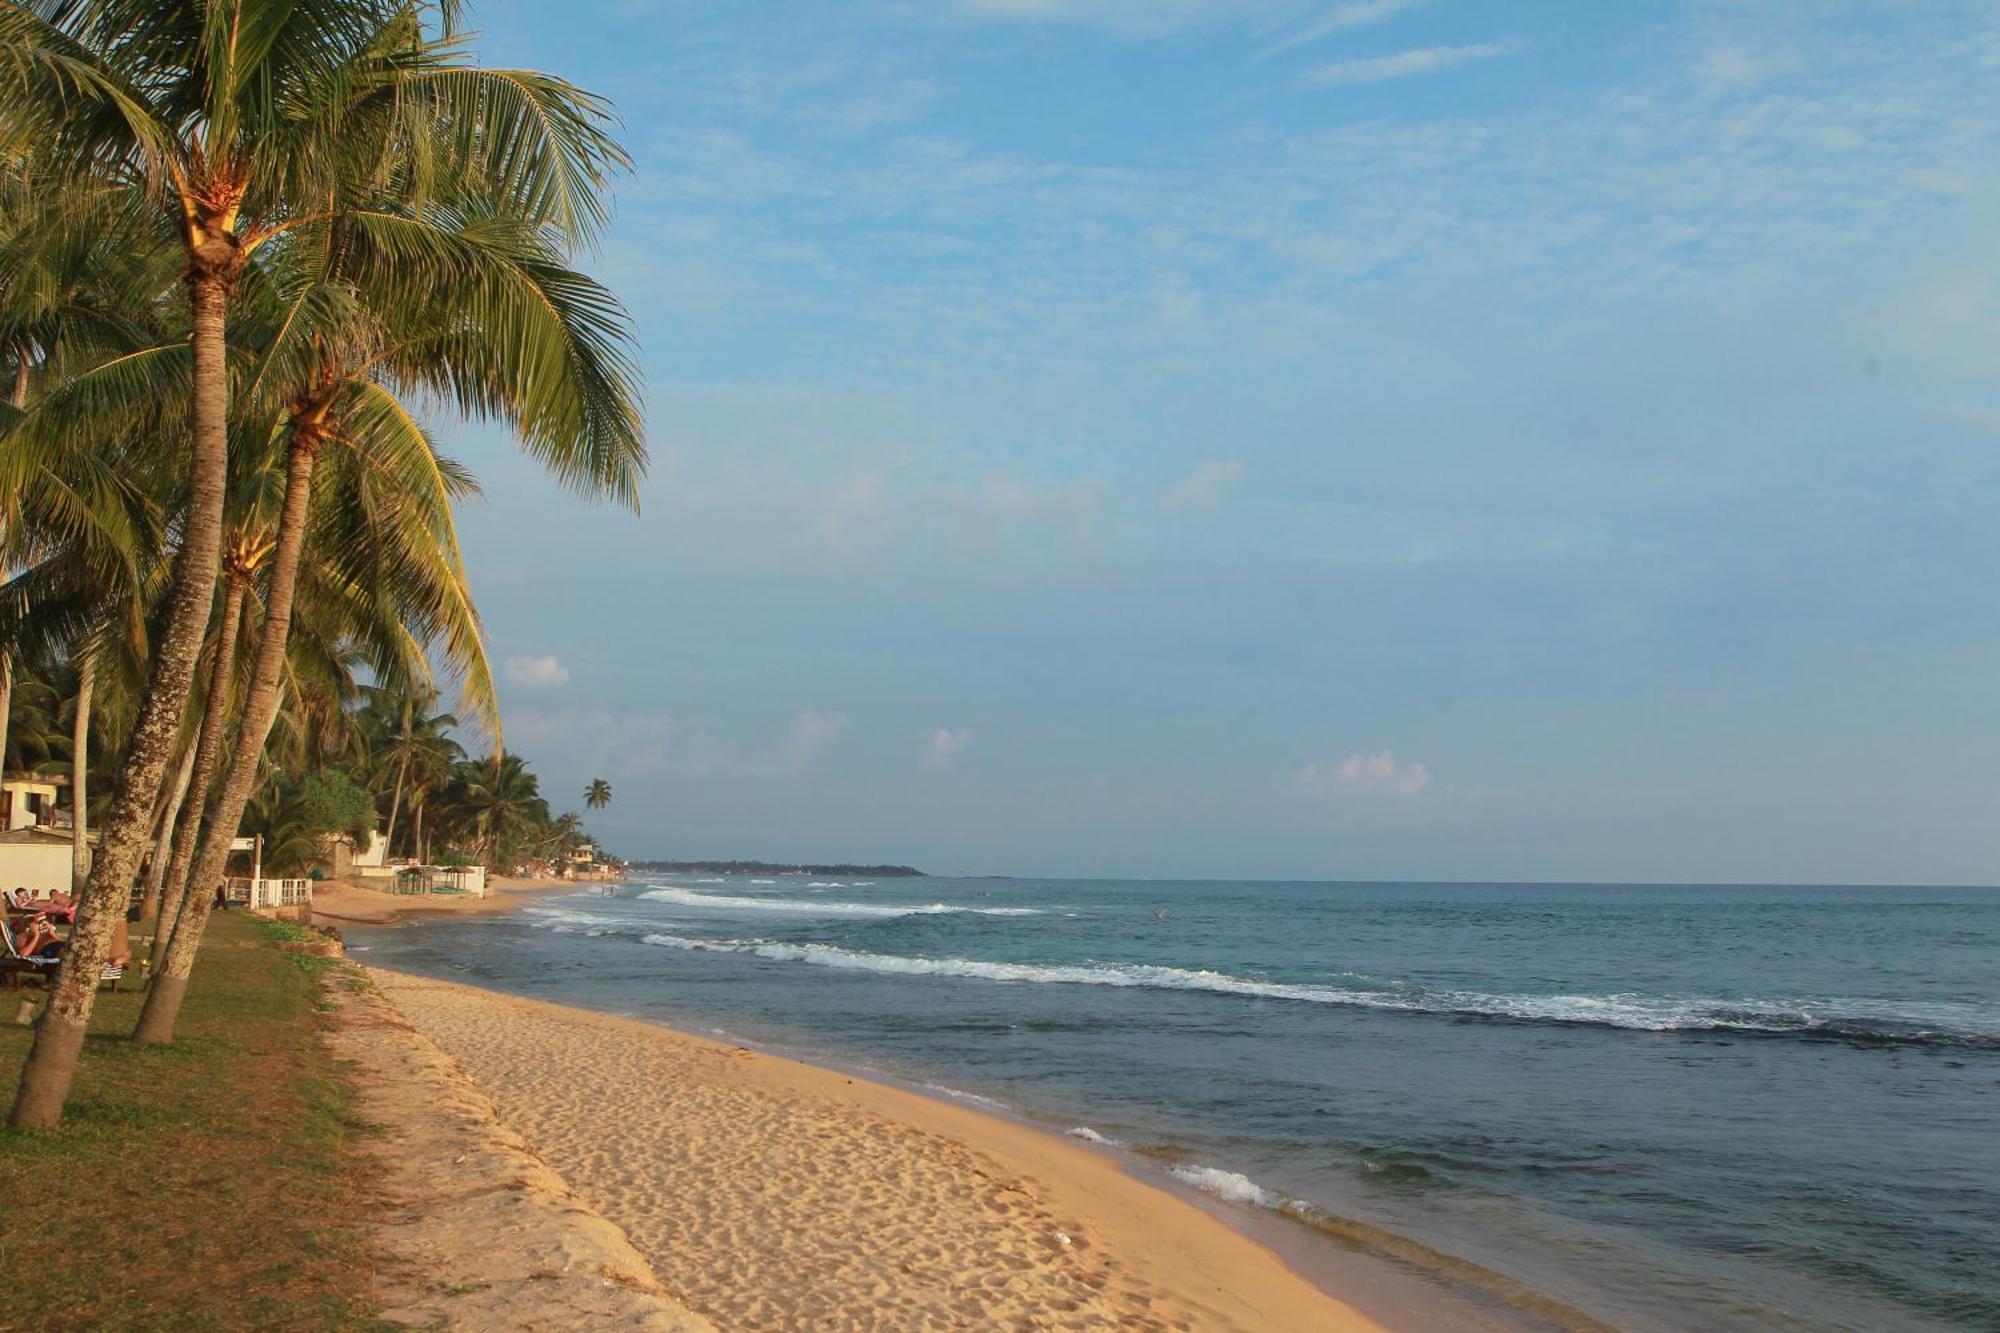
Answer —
40 940
58 906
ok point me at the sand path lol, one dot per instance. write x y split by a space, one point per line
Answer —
769 1194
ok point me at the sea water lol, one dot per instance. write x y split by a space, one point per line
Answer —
1655 1106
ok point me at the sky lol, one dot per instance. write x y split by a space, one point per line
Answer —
1387 439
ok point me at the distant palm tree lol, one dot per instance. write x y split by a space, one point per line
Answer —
598 794
497 803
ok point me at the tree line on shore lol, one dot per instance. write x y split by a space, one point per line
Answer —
244 246
778 868
390 766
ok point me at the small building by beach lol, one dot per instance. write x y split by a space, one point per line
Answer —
30 800
36 859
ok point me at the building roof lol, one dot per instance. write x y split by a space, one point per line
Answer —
37 836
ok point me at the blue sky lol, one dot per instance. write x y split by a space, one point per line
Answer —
1259 437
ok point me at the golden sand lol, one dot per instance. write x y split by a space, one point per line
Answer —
770 1194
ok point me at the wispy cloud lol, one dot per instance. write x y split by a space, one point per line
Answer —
1405 64
812 731
1137 18
947 745
537 672
1353 14
1378 774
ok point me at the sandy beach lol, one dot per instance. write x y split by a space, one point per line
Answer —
770 1194
341 902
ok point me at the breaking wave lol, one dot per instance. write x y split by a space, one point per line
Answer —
818 906
1848 1021
1228 1185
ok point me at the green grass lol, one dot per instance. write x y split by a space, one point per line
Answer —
199 1186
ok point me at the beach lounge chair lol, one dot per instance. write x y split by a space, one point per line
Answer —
14 964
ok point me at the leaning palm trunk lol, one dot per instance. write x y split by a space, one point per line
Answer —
18 397
51 1063
6 696
163 844
395 807
260 710
207 758
79 770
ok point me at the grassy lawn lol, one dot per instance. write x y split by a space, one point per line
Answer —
200 1186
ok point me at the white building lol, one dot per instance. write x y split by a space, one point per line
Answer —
29 799
35 859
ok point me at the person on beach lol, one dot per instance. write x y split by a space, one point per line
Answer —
40 940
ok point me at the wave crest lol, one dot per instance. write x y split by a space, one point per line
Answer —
1631 1012
673 893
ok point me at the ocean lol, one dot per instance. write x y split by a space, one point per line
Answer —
1656 1107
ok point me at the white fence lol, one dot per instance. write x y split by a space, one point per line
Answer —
245 892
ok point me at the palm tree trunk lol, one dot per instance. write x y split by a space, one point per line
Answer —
6 703
395 805
51 1063
79 771
19 398
170 814
208 757
260 710
422 859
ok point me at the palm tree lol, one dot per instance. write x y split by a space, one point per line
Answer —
216 108
467 298
409 744
497 802
598 794
246 120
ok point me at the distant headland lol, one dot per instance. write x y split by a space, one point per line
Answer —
773 868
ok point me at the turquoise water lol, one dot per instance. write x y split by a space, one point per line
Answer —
1662 1107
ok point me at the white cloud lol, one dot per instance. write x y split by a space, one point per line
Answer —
1378 774
897 103
947 745
537 672
1354 14
1422 60
853 512
812 732
1206 484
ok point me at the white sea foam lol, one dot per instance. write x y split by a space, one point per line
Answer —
763 881
1089 1135
1646 1014
971 1098
1228 1185
564 922
686 897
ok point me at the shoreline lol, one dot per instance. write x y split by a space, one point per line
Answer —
351 903
745 1175
1384 1278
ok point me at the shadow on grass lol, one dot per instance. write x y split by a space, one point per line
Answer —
208 1182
